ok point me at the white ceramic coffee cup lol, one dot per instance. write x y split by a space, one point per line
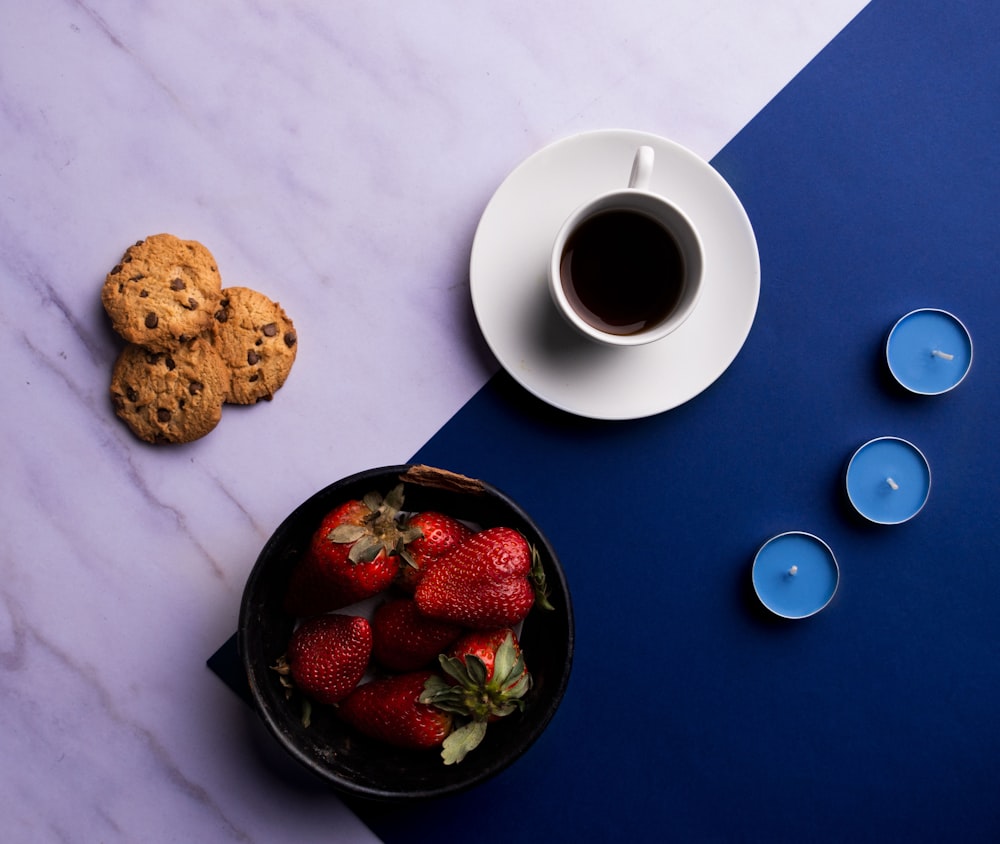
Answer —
642 205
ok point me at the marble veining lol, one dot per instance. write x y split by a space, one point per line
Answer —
337 157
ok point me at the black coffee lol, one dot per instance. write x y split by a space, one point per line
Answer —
622 272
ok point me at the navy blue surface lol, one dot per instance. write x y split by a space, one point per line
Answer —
872 184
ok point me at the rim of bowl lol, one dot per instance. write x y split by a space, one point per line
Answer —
555 577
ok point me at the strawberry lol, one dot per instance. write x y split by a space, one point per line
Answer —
404 640
354 554
437 534
485 679
326 657
490 580
389 709
488 669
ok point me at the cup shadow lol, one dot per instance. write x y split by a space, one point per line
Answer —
550 337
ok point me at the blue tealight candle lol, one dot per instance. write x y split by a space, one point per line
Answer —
888 480
795 574
929 351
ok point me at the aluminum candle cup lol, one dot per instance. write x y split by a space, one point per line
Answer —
929 352
888 480
795 574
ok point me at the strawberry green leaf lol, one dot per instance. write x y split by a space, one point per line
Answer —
476 670
461 671
453 701
344 534
372 500
506 709
538 581
505 660
519 689
410 534
461 741
394 500
433 685
366 549
438 692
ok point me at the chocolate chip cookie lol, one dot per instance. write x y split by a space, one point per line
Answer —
257 343
170 397
163 292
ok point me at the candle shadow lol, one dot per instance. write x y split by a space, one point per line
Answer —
753 607
887 382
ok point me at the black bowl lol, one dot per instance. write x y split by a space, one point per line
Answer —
353 763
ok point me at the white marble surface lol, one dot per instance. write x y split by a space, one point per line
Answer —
337 157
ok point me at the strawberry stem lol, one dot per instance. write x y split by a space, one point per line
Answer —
381 530
470 693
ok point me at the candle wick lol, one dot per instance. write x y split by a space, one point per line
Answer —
794 570
892 483
943 355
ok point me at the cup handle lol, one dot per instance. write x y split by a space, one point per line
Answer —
642 168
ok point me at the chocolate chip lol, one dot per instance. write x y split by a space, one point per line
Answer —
116 269
138 277
290 338
131 394
127 259
163 415
144 294
152 320
192 304
169 361
258 342
254 378
139 242
253 358
195 387
222 315
152 357
270 329
177 284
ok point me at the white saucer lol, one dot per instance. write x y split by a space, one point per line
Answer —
510 256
